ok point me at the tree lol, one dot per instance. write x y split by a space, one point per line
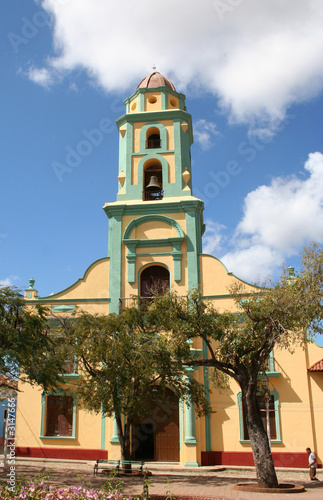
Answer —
122 360
239 343
27 349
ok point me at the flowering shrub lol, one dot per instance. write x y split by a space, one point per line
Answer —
40 491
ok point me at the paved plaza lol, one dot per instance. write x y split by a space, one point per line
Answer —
205 482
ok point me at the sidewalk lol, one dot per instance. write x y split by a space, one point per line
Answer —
203 482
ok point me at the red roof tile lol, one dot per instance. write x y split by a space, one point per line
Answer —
156 80
317 367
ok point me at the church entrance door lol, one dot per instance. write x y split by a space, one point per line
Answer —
157 437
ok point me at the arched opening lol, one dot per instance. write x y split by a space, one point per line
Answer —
154 280
156 437
153 138
153 182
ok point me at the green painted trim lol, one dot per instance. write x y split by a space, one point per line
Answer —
141 91
180 423
63 308
153 207
143 140
164 99
277 419
114 439
207 394
225 296
192 236
115 242
63 438
273 374
103 430
133 243
152 218
154 254
141 102
42 415
271 362
191 464
162 242
318 342
46 300
67 377
190 437
57 392
167 114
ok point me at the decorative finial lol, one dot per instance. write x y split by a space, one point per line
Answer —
31 283
291 271
154 67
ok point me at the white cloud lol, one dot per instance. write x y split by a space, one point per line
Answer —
42 76
256 57
9 281
213 237
204 133
278 220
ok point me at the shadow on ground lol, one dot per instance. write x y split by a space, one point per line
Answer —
159 483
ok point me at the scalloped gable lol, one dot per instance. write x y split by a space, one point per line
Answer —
94 284
217 280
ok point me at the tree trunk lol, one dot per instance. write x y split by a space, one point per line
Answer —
262 456
124 440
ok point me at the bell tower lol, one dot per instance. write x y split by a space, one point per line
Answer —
155 222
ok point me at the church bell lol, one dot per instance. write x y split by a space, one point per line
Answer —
153 184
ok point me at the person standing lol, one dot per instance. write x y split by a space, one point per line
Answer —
311 464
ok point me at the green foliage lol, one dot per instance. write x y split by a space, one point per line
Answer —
26 346
122 359
128 362
285 315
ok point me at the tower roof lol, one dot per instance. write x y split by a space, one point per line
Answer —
156 80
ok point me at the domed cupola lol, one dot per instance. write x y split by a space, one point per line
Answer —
156 80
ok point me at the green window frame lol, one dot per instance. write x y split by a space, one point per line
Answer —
274 418
44 415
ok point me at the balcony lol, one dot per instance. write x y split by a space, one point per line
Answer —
138 302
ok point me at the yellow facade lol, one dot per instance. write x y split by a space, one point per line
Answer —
165 231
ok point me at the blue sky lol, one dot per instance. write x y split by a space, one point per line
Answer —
252 74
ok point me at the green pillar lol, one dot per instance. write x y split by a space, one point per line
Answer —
190 416
115 438
114 251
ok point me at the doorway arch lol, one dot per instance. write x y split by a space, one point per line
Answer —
156 437
154 280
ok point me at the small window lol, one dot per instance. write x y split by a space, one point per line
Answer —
59 416
262 403
270 417
153 141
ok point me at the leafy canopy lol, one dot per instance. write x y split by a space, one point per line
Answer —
124 358
27 350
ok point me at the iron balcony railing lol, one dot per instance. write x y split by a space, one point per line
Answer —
153 143
137 302
151 196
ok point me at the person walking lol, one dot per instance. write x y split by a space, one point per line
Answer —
311 464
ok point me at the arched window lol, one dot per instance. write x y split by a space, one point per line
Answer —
153 183
153 138
154 280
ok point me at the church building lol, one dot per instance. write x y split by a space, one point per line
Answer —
155 234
